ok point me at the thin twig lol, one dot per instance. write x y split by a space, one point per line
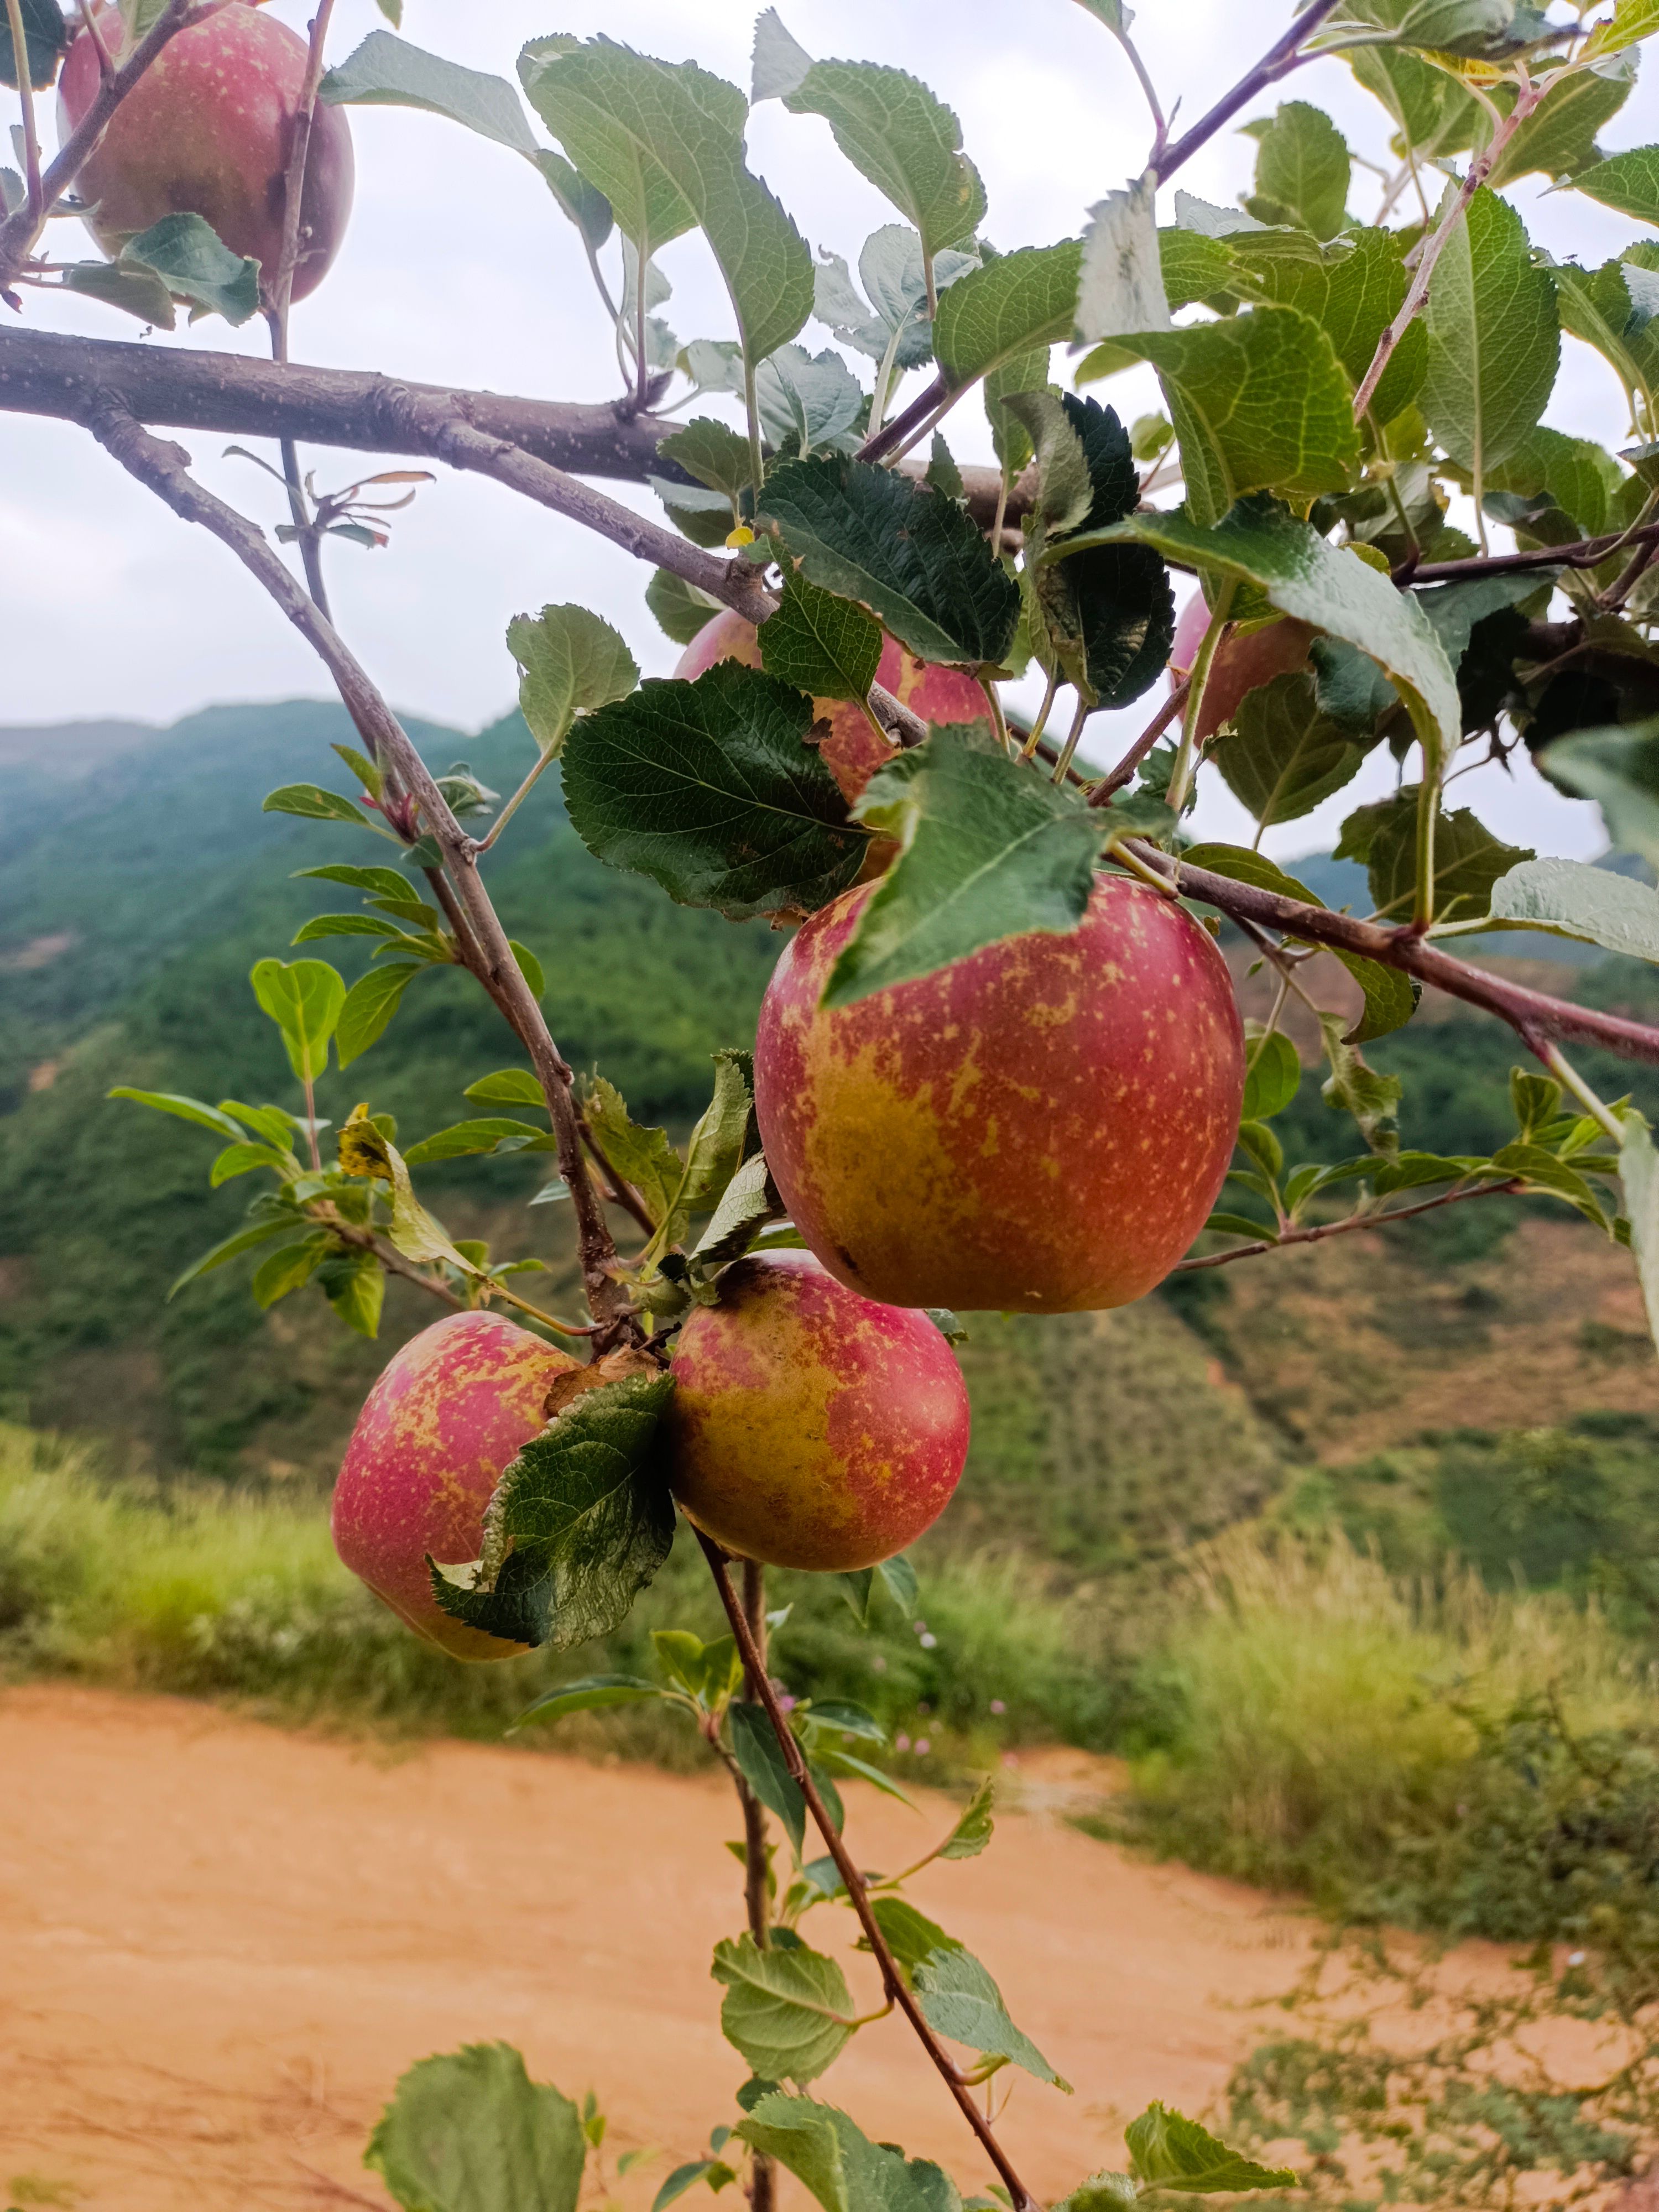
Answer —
19 232
1576 553
894 1984
1276 63
1317 1236
34 201
164 469
1124 771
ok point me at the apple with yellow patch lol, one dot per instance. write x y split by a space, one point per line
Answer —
811 1427
1041 1127
435 1435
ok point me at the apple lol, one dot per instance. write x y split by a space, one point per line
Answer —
435 1434
1241 663
852 751
208 131
811 1427
1041 1127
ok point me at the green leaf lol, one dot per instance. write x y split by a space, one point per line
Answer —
529 967
1353 296
1172 2152
1194 266
1579 476
808 399
1274 1075
787 2013
1638 1175
232 1248
1260 542
843 1762
722 1133
1243 866
663 142
1494 337
1628 183
1570 899
891 128
912 1937
681 610
713 2171
315 804
186 1110
349 925
45 35
195 264
240 1159
918 562
750 1201
641 1156
943 473
1630 20
388 72
1469 858
593 1693
467 1138
365 1150
713 452
1260 402
510 1085
893 323
580 1523
129 285
1303 172
1559 139
305 998
973 1831
585 203
1120 278
1065 490
369 1006
959 1999
1391 998
1545 1170
838 2164
709 789
1102 2193
569 661
381 883
1010 439
1353 1088
471 2132
1010 307
989 850
1282 756
822 645
289 1270
1620 769
758 1751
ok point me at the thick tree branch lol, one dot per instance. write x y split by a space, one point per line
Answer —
179 388
20 229
164 469
895 1986
1529 1012
1344 1228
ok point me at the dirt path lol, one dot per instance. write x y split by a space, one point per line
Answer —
220 1944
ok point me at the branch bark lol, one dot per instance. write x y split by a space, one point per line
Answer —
164 468
895 1986
1277 62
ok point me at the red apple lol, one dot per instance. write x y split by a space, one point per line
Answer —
1041 1127
1241 663
208 131
811 1427
852 751
433 1437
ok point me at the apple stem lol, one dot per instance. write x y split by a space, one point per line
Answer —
893 1982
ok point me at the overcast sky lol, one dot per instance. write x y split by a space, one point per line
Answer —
458 267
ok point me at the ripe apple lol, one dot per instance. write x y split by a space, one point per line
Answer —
811 1427
1041 1127
208 131
433 1437
852 751
1241 663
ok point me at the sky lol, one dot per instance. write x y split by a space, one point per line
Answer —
458 267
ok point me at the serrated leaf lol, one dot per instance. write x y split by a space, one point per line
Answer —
715 1150
1065 490
1012 306
1121 277
45 35
580 1523
388 72
641 1156
1558 138
471 2132
365 1149
892 323
911 1937
1010 438
1570 899
888 126
369 1006
787 2013
1468 858
1260 542
1578 476
1353 296
1281 757
1629 182
1631 21
1354 1087
830 2155
709 789
1260 402
808 400
959 1999
195 264
663 142
715 454
305 998
1102 2193
1303 171
989 850
1172 2152
1494 337
757 1751
682 610
917 561
972 1832
750 1200
570 661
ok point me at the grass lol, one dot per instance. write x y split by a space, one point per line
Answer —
206 1592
